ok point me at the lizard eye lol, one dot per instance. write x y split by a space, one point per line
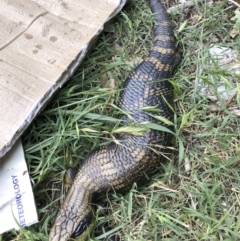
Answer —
82 227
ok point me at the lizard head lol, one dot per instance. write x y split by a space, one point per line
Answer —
69 225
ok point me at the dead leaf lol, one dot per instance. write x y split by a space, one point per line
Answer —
108 82
234 33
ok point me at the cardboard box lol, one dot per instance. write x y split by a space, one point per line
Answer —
41 45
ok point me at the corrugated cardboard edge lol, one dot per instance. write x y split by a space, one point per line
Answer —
63 78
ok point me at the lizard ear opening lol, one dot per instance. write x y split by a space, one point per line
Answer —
83 227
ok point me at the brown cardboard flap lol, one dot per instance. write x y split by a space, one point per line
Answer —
41 45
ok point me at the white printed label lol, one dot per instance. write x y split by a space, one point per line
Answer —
17 206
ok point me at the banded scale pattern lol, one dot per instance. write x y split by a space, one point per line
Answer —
118 165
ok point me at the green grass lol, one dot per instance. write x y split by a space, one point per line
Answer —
195 195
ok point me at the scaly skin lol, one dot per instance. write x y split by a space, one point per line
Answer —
117 166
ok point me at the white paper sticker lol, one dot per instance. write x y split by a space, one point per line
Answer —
17 205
